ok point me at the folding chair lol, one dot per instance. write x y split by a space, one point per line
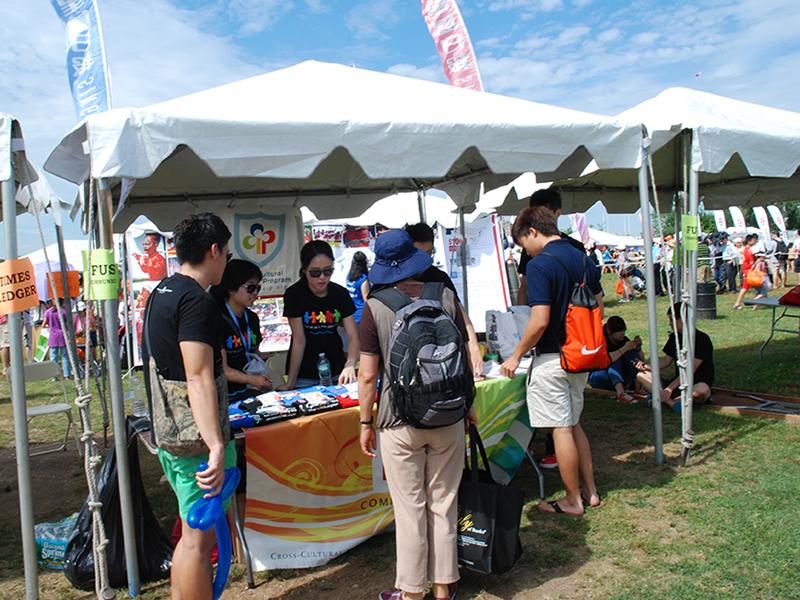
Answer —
47 370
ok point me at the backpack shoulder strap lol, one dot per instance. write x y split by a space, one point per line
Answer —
392 297
585 267
433 290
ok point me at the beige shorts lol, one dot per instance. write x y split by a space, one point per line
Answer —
5 335
555 397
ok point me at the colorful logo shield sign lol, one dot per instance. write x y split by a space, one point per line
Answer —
258 237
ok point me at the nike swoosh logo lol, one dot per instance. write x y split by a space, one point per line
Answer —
586 352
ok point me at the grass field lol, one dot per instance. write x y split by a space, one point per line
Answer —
725 526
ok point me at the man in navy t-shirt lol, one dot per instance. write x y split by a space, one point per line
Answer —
555 397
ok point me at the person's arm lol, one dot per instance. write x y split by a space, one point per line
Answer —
473 347
365 289
298 350
522 294
540 317
260 382
198 362
368 369
348 374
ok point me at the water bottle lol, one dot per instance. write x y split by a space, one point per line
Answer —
324 370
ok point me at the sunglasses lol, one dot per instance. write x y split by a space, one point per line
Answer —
317 272
228 257
253 288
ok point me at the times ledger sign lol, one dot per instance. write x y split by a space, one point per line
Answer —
452 41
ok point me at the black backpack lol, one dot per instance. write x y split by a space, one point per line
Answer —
431 378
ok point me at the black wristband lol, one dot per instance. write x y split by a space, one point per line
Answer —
367 422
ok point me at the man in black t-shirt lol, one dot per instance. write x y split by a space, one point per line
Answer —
703 365
184 335
551 200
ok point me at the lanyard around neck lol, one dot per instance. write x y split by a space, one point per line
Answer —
245 338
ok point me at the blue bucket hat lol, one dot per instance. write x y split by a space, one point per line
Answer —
396 258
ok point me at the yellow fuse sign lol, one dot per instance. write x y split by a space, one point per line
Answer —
17 286
104 275
691 229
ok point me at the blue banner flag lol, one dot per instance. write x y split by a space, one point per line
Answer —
86 57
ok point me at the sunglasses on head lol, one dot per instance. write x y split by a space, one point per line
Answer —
317 272
253 288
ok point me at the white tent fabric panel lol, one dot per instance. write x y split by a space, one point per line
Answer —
336 139
745 154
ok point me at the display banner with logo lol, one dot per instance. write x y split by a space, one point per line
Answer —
775 212
312 494
762 220
452 41
737 216
269 237
719 217
486 270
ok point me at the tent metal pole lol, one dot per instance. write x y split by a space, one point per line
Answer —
691 320
652 319
19 402
463 244
72 347
423 215
111 323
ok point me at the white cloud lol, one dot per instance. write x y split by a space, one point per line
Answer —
258 15
609 35
367 20
528 5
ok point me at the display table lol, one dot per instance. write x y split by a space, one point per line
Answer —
775 305
312 494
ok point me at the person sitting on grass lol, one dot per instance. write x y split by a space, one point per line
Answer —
626 361
703 365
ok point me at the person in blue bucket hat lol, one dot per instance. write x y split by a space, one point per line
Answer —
423 466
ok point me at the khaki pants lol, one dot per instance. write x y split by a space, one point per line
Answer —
423 469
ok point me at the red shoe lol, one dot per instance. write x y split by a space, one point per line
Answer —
626 398
549 462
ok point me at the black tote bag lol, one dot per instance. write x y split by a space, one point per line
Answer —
488 517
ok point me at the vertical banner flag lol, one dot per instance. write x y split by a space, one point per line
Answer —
580 225
737 216
452 40
86 57
763 221
777 217
719 217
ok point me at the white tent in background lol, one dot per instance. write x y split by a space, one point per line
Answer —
603 238
733 153
398 210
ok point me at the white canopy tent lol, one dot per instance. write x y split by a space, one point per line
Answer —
734 153
332 138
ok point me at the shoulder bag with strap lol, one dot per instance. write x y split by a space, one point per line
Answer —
174 427
585 346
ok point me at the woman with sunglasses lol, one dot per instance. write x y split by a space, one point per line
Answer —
239 288
316 308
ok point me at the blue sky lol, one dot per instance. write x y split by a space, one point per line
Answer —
591 55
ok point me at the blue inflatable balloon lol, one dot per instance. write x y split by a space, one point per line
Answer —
207 512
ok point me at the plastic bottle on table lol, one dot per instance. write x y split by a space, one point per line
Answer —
324 370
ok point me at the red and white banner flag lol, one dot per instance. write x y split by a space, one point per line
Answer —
777 217
452 40
762 220
737 216
719 217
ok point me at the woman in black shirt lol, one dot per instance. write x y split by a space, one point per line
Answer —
316 308
235 294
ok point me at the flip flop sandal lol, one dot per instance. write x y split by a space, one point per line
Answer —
586 503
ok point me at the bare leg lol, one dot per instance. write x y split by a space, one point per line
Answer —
191 565
740 297
568 467
586 466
